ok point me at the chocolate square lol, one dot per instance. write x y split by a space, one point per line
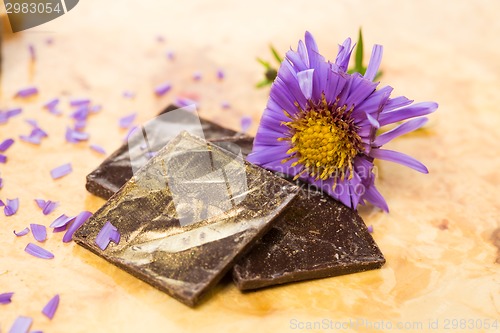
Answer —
315 237
187 215
116 170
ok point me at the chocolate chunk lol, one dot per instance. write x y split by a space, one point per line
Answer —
315 237
117 169
187 215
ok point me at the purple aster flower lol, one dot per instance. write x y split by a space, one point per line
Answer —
320 124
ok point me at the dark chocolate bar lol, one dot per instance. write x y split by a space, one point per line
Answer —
315 237
117 169
187 215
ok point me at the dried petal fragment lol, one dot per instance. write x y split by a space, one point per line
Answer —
3 158
49 207
22 232
38 252
21 325
162 89
61 221
79 101
126 122
27 92
50 105
6 144
39 232
246 122
98 149
61 171
79 221
108 233
74 136
11 207
5 298
49 310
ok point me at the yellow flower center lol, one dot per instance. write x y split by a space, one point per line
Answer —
324 140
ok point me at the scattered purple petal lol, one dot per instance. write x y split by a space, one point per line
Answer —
160 39
126 122
197 76
108 233
27 92
51 104
6 298
246 122
74 136
29 139
21 325
370 229
31 49
98 149
49 41
81 113
225 105
183 102
36 134
80 125
162 89
6 144
61 171
61 223
49 207
11 207
36 332
40 203
170 55
220 74
1 185
49 310
128 94
38 252
13 112
3 158
79 102
80 219
22 232
1 203
39 232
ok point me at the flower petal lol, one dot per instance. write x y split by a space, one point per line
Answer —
98 149
305 79
11 207
21 325
77 223
402 129
6 144
37 251
372 120
22 232
49 207
374 64
373 195
397 157
344 55
108 233
49 310
6 298
126 122
412 111
39 232
61 171
61 221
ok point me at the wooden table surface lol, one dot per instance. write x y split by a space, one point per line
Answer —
441 260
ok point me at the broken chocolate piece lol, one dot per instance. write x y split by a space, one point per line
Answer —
315 237
117 169
187 215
